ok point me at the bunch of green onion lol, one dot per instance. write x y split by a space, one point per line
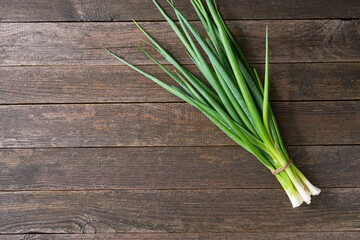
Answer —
236 100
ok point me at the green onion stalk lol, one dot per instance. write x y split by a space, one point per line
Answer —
234 99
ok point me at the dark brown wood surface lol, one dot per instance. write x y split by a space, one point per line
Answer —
89 149
114 84
166 124
168 168
192 236
220 210
81 43
120 10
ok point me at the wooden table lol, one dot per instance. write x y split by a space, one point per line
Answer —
91 149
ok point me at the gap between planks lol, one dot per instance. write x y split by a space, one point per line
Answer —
191 21
171 146
154 189
166 64
165 102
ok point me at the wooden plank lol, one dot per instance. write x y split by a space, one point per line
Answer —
260 210
165 124
84 84
168 168
120 10
193 236
81 44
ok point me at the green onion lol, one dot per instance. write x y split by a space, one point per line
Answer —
234 98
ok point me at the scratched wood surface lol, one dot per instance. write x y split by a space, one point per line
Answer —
113 84
193 236
81 44
92 150
118 10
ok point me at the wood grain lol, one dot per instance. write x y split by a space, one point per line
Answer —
84 84
165 124
259 210
192 236
81 44
120 10
91 150
168 168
